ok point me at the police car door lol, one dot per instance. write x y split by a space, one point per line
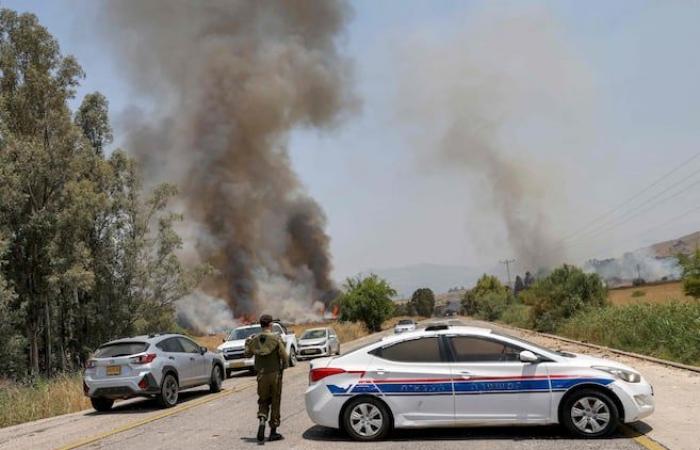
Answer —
413 377
492 385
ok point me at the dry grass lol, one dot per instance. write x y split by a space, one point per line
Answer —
46 398
658 293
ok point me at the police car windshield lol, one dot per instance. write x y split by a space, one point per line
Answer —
243 333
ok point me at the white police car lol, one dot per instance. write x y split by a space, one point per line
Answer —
460 376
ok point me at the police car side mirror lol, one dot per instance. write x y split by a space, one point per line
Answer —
528 356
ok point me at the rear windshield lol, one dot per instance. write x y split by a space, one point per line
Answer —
121 349
405 322
314 334
243 333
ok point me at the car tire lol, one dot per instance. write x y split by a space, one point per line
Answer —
338 351
216 379
366 419
169 391
292 357
102 404
590 413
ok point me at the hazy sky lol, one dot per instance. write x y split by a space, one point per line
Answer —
595 100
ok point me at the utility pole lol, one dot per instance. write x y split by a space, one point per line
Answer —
507 263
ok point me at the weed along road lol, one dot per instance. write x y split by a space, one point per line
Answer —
227 420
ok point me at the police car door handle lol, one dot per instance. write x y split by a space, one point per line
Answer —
380 371
465 374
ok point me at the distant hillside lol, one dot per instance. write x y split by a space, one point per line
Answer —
439 278
685 244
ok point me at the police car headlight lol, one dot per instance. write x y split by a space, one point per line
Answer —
624 375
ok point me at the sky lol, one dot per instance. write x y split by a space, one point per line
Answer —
594 102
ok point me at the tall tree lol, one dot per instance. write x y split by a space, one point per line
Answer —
93 119
367 300
423 301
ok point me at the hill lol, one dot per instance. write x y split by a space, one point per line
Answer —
684 244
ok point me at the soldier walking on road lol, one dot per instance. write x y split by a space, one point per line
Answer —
270 360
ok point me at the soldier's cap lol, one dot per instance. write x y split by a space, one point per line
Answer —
265 320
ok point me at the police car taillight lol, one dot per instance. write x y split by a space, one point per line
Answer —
323 372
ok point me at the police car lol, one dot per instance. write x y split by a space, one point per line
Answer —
465 376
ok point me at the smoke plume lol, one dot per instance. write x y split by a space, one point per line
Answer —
502 86
228 81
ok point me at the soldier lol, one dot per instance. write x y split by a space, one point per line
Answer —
270 360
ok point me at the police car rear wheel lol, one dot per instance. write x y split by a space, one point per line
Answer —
366 419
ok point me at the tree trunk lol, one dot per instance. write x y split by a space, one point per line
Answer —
47 335
33 349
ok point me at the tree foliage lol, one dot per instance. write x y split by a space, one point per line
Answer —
422 302
691 273
561 294
86 256
487 284
367 300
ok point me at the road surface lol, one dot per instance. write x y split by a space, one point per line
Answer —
227 420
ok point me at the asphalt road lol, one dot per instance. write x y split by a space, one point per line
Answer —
227 420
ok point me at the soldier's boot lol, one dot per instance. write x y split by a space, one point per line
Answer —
261 430
274 435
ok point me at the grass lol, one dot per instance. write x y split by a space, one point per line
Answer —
62 394
665 330
653 293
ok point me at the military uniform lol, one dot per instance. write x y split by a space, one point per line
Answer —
270 360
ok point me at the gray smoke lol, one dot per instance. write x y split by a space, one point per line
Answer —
479 99
228 81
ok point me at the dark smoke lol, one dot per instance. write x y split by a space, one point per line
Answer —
228 81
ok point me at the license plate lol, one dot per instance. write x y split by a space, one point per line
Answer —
114 370
237 364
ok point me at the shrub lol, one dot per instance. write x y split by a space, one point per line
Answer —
638 294
561 294
669 330
691 273
422 302
487 284
518 315
491 305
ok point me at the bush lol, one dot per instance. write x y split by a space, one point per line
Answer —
518 315
367 300
669 330
561 294
487 284
691 273
638 294
492 305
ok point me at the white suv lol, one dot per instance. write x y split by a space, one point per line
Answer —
150 366
461 376
234 346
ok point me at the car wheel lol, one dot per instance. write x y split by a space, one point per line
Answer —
292 357
338 351
590 413
102 404
366 419
169 391
216 379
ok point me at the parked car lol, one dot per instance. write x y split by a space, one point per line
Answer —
157 366
464 376
404 325
318 342
233 347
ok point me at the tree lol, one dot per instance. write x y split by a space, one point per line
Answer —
519 285
561 294
423 302
93 119
691 273
487 284
367 300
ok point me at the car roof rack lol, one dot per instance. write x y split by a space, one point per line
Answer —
436 327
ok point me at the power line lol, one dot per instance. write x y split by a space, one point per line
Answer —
633 197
